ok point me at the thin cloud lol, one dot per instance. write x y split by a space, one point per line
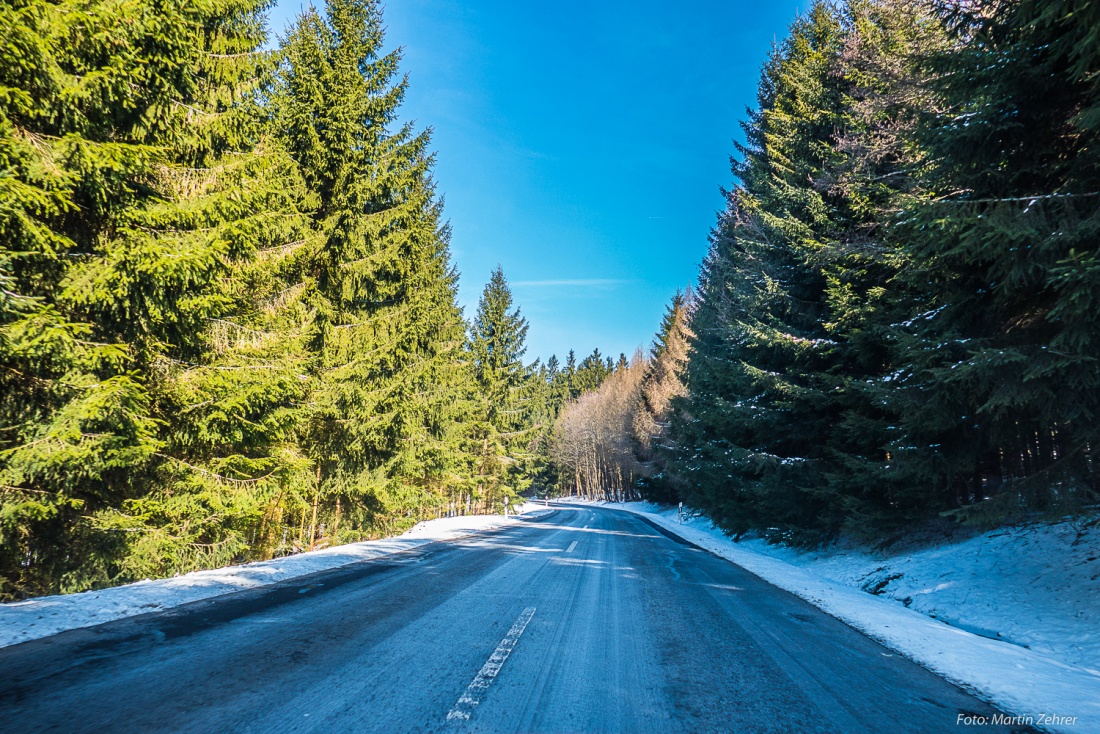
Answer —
576 283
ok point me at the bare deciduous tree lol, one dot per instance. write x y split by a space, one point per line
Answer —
593 442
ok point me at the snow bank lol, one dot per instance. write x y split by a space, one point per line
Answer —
1023 587
34 618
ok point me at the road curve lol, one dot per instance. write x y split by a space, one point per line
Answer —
584 620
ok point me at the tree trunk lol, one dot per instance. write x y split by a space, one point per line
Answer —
336 524
316 498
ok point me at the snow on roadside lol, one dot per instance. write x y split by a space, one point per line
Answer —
1035 586
32 619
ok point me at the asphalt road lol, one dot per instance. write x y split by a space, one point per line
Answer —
583 620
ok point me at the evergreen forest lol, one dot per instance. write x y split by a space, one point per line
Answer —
228 319
229 327
896 324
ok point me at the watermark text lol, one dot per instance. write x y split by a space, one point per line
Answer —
999 719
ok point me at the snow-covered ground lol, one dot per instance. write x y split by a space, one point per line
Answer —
34 618
1011 615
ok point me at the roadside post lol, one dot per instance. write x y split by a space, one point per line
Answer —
680 516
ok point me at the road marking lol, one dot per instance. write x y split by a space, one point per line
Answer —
571 547
585 528
488 673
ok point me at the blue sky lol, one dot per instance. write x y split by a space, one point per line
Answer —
581 145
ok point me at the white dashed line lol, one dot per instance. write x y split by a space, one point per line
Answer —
480 684
571 547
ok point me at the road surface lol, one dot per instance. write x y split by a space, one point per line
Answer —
583 620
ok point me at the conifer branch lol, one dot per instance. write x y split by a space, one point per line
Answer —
1017 199
214 475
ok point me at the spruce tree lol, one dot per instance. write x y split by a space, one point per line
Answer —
796 353
590 373
390 397
549 397
569 375
1000 401
556 391
117 235
507 388
497 337
229 397
750 441
880 171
